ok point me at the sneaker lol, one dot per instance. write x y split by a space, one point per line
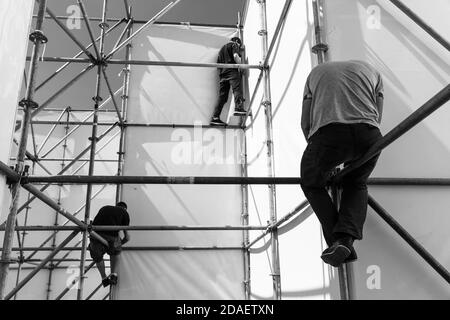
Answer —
106 282
352 257
217 122
336 254
240 112
113 278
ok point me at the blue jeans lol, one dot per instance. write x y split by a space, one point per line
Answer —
330 146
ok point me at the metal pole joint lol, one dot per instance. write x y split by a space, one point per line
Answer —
38 36
97 99
27 103
262 32
320 47
103 25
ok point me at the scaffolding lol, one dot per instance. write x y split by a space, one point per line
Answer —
19 177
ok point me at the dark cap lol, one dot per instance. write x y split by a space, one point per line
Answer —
236 39
122 204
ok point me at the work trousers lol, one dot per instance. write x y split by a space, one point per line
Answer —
229 78
329 147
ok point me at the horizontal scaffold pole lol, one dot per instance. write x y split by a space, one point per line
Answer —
146 125
409 181
186 64
136 248
84 179
138 228
155 63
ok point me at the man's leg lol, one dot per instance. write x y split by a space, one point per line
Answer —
317 162
114 261
101 268
353 208
97 250
238 92
224 89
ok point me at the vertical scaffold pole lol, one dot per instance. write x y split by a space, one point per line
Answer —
38 38
103 25
125 92
244 187
270 154
56 223
320 49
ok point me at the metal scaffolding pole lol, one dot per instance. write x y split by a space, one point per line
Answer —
38 38
63 89
150 22
63 226
85 179
88 26
409 239
320 49
51 131
7 171
41 265
147 228
124 109
67 289
50 273
267 101
24 233
417 116
60 69
97 99
71 35
78 125
428 29
288 216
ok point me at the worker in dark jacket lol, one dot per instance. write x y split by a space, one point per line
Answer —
109 216
341 115
229 54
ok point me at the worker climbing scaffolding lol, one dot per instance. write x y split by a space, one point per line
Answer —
342 108
229 54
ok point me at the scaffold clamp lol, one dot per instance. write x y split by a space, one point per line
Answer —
28 103
103 25
320 47
38 36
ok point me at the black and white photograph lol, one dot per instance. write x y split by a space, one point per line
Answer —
224 158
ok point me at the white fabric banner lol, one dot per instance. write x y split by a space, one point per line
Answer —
180 95
15 17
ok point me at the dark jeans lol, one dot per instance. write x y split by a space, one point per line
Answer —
98 249
229 78
329 147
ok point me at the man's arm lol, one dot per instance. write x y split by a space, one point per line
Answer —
237 58
126 237
380 101
306 111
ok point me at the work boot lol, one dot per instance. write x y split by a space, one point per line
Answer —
113 278
239 111
106 282
338 253
215 121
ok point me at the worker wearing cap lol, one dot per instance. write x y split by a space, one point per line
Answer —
229 54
